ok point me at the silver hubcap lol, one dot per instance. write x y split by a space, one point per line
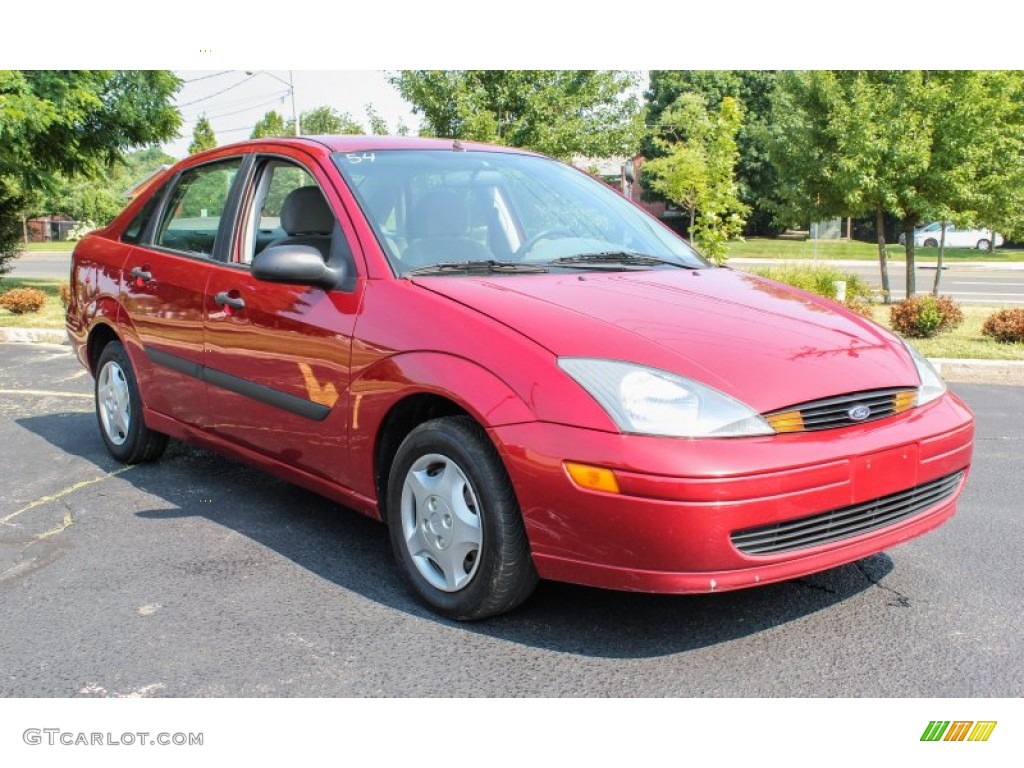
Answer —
441 523
113 402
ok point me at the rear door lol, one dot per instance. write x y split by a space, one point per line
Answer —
165 287
278 356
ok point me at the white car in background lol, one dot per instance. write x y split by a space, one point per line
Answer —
928 237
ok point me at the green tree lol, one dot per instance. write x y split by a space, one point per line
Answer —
558 112
203 137
753 89
378 125
270 126
99 200
698 168
325 121
916 144
73 123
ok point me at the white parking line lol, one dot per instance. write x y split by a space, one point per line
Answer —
70 489
43 393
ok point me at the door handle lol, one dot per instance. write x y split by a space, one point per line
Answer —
226 299
141 275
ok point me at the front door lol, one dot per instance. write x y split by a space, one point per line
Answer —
277 356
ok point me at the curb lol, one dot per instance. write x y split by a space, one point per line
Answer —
33 336
1009 372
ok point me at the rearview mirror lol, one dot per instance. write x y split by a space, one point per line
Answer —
295 265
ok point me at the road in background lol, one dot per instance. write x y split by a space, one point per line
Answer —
974 283
196 576
45 264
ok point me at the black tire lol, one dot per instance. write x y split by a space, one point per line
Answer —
455 524
983 244
931 243
119 410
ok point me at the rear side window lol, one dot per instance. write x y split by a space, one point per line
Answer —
133 232
195 207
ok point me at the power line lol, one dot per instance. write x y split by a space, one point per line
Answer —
207 77
235 130
251 99
211 116
218 93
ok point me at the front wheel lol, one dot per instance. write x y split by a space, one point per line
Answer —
931 243
983 244
455 523
119 410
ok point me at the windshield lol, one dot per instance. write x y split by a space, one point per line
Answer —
444 207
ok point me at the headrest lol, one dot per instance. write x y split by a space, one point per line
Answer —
305 212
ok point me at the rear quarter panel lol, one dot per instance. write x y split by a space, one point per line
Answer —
96 274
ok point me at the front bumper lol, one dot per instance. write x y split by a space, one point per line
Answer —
669 530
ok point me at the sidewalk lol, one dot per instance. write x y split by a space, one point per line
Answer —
1009 372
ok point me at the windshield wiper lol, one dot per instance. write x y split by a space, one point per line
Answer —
488 267
606 259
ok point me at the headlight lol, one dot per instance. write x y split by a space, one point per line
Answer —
649 401
932 385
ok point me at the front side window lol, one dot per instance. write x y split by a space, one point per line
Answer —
193 212
432 207
288 206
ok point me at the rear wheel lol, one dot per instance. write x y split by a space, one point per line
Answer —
455 523
119 410
931 243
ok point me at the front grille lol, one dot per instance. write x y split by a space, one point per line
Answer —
833 412
845 522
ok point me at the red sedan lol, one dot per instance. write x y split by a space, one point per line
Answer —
523 374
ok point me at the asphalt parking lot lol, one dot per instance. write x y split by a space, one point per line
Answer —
196 576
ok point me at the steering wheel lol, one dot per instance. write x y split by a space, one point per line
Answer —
544 234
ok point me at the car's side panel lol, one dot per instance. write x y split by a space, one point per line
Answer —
278 370
165 301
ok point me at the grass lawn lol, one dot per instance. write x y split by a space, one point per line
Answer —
55 246
68 246
965 342
50 316
760 247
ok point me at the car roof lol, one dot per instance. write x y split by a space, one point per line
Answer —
377 143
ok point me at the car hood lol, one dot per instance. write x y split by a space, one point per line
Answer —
762 342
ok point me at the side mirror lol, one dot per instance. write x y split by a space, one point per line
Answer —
295 265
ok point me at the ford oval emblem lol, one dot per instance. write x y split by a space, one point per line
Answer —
859 413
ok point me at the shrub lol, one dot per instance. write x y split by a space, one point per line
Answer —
821 279
21 301
860 307
922 317
1006 325
65 294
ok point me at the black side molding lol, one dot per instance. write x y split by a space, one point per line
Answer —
300 406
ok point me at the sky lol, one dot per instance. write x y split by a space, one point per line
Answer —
233 100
